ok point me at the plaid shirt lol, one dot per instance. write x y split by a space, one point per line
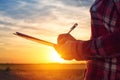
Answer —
104 46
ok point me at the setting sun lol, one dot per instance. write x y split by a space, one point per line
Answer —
55 57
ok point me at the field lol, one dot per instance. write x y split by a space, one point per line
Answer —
42 72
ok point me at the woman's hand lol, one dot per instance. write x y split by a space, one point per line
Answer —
65 46
62 38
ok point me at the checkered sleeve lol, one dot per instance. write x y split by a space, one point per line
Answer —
107 46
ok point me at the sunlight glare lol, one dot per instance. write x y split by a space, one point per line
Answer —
55 57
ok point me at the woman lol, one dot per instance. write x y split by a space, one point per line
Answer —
102 51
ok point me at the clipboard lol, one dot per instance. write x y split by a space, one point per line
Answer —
34 39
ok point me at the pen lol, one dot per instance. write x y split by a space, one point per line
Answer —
72 28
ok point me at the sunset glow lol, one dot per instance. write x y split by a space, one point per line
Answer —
43 19
55 57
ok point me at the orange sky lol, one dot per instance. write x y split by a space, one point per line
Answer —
42 19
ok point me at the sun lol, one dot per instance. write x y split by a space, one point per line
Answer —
55 57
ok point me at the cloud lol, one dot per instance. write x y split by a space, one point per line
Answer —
21 9
15 8
38 16
28 14
77 3
43 16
